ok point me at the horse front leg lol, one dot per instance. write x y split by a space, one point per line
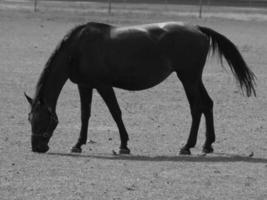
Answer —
86 100
108 94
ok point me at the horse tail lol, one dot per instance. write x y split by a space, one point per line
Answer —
225 48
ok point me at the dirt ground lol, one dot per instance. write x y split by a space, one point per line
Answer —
158 122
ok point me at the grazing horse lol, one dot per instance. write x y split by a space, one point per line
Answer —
101 56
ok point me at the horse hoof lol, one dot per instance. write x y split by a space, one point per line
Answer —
207 149
124 151
184 151
76 150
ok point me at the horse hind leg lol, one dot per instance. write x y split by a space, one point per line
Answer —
193 96
200 103
208 113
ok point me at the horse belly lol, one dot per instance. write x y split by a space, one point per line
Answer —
143 75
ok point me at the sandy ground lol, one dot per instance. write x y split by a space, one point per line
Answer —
157 120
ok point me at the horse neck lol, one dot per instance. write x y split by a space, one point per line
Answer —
55 81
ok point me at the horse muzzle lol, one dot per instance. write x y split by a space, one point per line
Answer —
39 144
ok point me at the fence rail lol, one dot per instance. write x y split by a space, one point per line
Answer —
250 3
200 3
247 9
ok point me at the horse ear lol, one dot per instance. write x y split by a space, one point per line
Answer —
29 99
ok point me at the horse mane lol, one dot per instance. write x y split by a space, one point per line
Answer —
49 64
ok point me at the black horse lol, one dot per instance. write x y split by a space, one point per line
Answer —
100 56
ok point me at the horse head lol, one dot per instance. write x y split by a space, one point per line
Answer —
43 122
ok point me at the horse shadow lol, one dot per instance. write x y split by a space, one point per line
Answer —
213 158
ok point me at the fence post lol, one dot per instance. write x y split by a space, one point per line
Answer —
35 5
166 4
109 6
200 9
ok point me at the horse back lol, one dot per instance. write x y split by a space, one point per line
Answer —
133 57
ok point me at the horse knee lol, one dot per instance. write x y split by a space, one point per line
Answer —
207 106
210 103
